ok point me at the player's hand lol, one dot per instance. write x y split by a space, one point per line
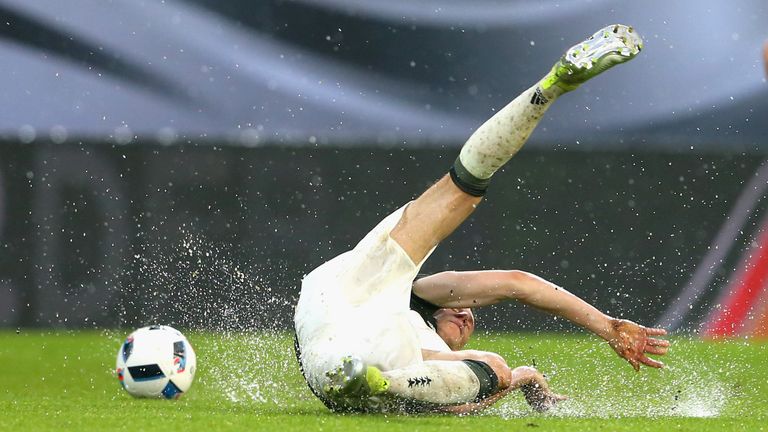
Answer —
633 342
535 388
539 398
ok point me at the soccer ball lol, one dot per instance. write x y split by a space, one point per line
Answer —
156 362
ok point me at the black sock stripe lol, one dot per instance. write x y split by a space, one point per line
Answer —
466 181
489 381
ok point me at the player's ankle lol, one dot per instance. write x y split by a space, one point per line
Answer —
554 84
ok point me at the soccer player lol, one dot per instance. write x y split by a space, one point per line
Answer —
360 344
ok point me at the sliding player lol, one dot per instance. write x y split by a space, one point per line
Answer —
361 346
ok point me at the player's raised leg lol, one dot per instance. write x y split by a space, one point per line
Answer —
445 205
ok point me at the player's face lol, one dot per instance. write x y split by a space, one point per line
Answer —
455 326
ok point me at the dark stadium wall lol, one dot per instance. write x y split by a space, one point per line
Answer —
216 237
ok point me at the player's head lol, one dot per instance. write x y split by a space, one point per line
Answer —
455 326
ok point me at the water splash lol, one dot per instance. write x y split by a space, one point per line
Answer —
197 284
703 402
684 390
250 368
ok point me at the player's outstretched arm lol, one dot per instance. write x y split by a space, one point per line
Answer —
482 288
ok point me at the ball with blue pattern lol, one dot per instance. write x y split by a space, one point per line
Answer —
156 362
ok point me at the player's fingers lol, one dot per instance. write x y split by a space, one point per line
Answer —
655 331
651 362
656 350
554 397
635 364
657 342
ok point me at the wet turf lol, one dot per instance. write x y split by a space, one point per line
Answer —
64 381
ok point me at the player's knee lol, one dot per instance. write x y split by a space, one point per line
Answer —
523 375
500 368
525 372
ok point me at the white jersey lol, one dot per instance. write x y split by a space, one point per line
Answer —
358 304
428 337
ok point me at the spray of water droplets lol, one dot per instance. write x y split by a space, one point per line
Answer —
196 284
240 310
682 390
252 368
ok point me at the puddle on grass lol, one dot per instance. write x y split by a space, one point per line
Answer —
687 391
251 368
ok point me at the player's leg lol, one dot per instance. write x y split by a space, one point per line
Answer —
432 217
440 210
431 385
433 382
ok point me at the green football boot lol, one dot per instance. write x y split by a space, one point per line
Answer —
608 47
352 383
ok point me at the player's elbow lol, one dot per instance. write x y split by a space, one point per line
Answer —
519 285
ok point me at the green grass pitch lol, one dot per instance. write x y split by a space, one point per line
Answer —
65 381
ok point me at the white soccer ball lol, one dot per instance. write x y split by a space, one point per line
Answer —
156 362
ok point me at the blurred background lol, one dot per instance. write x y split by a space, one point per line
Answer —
187 161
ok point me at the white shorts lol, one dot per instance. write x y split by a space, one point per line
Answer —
358 304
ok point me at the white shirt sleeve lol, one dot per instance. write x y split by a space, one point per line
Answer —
428 338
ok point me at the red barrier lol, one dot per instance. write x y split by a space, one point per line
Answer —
742 310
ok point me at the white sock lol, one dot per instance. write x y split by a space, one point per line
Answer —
501 136
434 381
